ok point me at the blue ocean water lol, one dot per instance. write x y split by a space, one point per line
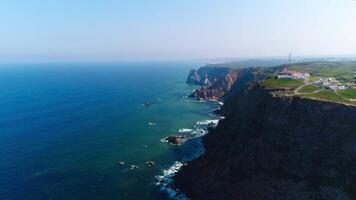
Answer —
64 127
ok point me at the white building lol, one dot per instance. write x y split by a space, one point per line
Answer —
330 83
293 75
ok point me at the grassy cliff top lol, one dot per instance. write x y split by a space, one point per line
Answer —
297 88
343 71
249 63
274 83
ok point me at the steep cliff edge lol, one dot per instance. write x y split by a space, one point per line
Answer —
276 148
214 81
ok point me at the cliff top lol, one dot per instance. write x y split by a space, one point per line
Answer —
248 63
329 81
275 149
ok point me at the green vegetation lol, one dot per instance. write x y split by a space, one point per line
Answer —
314 78
308 89
343 71
348 93
328 95
274 83
250 63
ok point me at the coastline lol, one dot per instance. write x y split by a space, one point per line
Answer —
227 171
220 82
199 129
86 147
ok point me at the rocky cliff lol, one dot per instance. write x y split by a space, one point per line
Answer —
275 148
214 81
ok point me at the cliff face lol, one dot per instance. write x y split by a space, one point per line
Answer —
214 81
276 148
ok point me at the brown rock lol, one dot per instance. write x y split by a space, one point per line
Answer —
175 139
215 81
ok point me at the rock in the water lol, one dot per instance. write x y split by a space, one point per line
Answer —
132 166
147 104
175 139
150 163
152 123
120 162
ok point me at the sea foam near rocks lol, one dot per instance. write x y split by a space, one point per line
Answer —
199 132
185 130
165 180
213 122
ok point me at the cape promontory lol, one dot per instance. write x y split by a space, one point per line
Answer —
275 148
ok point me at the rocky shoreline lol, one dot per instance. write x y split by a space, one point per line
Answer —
201 128
275 148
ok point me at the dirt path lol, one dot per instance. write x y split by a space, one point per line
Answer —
296 91
338 94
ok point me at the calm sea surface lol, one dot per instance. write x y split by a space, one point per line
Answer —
64 127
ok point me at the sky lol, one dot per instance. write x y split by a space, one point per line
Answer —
174 29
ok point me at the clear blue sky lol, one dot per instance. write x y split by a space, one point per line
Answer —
167 29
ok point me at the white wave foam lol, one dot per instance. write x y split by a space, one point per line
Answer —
218 102
195 101
199 132
165 180
213 115
164 140
185 130
213 122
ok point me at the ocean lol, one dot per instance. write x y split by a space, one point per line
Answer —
64 128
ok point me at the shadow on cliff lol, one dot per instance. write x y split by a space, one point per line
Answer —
275 148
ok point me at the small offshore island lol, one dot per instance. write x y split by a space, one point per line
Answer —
289 137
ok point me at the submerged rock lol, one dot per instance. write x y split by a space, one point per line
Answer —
132 166
152 123
147 104
120 162
150 163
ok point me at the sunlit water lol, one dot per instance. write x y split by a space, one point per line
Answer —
64 127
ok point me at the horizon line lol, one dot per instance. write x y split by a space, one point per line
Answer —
202 59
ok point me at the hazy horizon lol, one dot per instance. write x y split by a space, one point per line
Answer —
34 30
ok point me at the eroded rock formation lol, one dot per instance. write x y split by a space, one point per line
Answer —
214 81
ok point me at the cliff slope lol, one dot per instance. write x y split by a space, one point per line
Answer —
214 81
276 148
